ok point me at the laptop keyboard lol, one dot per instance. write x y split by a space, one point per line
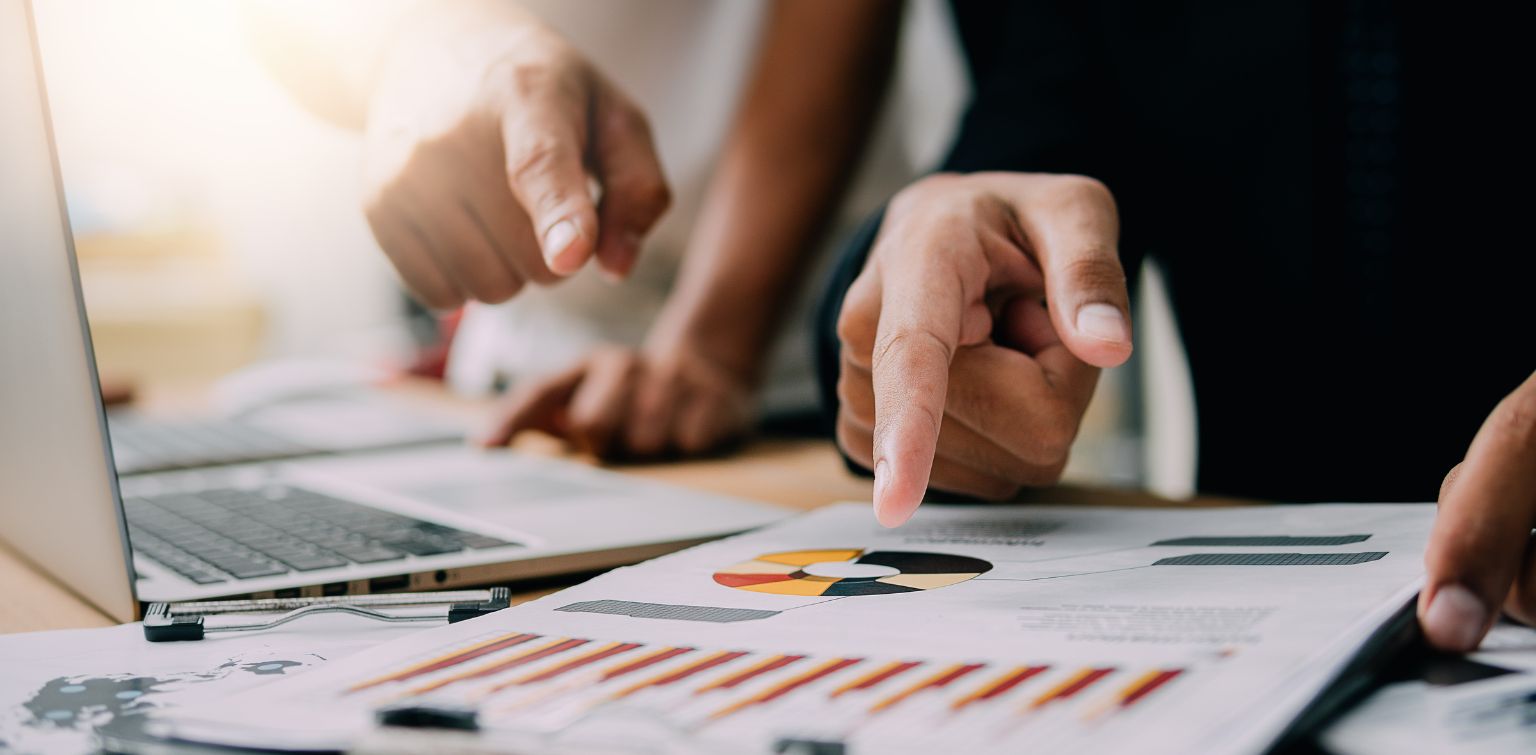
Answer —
217 535
153 446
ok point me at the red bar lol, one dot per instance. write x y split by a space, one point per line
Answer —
1082 683
449 661
1022 676
506 665
577 663
644 663
750 674
684 673
946 679
807 679
864 684
1150 687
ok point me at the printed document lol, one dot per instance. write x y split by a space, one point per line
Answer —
972 628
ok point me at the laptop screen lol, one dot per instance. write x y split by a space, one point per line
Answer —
59 506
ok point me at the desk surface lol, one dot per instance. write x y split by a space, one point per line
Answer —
795 473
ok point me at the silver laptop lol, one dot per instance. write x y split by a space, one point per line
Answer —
430 517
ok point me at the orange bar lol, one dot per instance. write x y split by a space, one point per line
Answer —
447 661
529 656
940 679
780 690
735 680
999 685
1071 686
672 677
1146 685
875 677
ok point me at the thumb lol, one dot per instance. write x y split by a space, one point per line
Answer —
546 170
1075 234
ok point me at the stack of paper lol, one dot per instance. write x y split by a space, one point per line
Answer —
976 628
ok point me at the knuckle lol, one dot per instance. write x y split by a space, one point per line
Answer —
537 158
920 191
1084 189
1041 477
856 329
1055 439
1097 268
498 290
540 73
911 346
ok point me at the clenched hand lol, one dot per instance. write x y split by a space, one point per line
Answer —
972 340
486 132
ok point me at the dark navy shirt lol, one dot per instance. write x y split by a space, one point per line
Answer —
1337 193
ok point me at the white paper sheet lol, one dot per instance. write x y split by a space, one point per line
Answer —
1063 629
56 687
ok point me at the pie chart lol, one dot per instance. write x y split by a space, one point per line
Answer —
850 571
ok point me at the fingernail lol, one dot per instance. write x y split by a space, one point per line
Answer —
1102 322
1455 620
557 242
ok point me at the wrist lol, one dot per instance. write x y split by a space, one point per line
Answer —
720 339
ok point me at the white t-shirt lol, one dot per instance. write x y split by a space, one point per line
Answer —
685 63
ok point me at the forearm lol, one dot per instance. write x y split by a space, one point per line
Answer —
818 81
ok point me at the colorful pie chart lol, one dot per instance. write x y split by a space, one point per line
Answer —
850 571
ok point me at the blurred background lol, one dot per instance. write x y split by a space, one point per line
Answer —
219 224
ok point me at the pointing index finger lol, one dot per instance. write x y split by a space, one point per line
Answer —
924 296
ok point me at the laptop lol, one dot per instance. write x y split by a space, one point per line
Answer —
428 517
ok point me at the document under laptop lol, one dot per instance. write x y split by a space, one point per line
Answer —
972 629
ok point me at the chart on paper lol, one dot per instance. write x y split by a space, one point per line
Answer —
974 629
529 681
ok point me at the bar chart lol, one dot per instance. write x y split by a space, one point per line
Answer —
518 678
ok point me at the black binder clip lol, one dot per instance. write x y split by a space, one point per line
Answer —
176 622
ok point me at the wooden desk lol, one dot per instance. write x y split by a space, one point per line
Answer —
798 474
